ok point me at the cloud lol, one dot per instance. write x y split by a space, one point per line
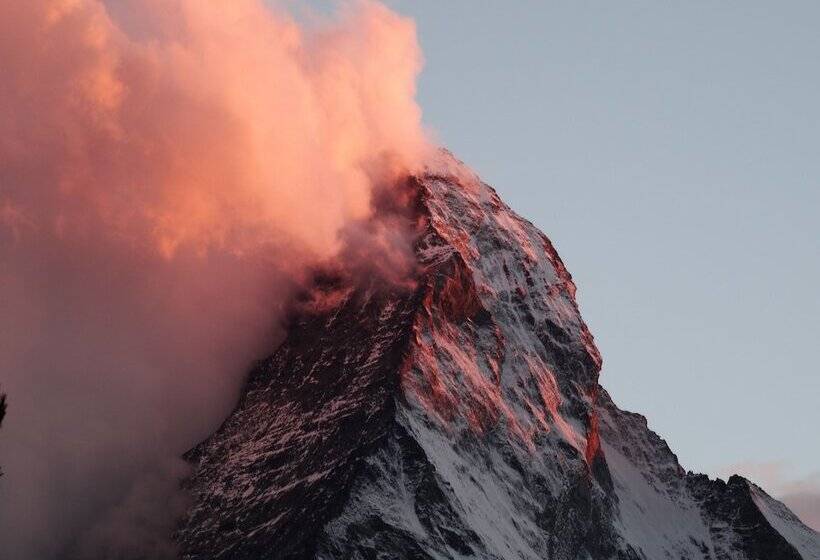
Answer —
801 494
170 172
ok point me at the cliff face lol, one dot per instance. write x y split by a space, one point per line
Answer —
460 417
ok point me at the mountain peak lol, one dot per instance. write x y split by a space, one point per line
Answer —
457 416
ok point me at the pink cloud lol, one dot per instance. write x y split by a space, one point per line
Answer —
170 170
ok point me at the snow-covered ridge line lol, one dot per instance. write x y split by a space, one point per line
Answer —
459 419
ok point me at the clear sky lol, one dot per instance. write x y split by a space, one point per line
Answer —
670 151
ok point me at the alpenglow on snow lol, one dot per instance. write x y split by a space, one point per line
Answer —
458 418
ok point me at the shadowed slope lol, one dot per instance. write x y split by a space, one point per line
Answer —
458 418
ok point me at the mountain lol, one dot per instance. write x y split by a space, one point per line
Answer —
458 417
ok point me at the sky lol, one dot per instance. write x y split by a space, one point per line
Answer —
670 151
158 211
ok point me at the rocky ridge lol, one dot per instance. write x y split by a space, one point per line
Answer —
460 417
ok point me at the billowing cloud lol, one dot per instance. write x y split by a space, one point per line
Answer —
169 172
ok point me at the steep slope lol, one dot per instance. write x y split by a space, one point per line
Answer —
458 418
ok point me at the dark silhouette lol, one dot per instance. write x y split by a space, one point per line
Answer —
2 415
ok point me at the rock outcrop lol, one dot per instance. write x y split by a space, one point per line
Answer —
460 417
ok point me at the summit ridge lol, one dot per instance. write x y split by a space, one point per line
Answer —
460 417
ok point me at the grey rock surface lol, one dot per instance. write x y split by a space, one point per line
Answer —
458 417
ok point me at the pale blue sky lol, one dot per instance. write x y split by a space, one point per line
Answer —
670 151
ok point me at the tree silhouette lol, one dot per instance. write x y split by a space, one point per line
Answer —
2 414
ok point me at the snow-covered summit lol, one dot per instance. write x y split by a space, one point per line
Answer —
458 418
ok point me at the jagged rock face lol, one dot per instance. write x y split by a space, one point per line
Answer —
458 418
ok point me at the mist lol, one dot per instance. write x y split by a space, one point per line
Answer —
170 173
